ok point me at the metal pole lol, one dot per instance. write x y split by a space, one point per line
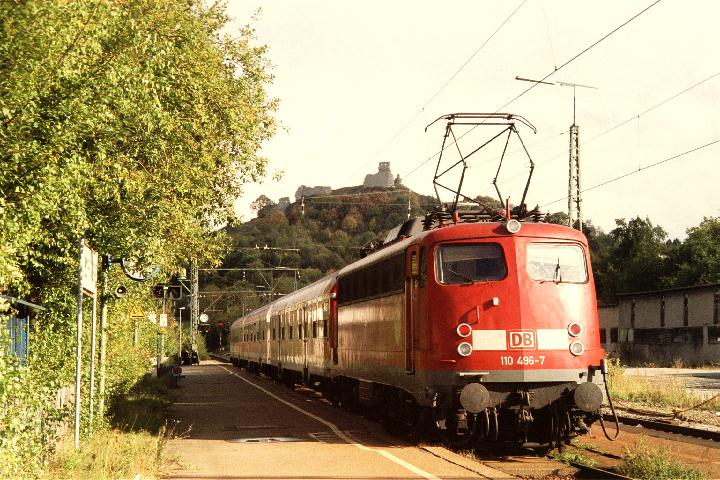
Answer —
574 180
159 333
577 175
571 175
194 304
180 336
78 351
103 334
159 350
92 362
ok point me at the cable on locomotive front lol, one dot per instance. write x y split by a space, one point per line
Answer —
604 371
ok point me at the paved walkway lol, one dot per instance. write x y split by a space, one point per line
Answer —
239 426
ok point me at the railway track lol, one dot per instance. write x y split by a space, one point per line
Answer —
587 472
666 427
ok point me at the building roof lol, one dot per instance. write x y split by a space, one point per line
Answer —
671 290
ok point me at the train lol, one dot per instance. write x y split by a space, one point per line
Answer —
481 331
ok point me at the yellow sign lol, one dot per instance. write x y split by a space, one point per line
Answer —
136 312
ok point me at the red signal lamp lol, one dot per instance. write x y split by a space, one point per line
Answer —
574 329
464 330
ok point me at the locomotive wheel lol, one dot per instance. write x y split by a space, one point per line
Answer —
401 416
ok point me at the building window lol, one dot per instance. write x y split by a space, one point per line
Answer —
685 311
662 311
19 333
716 308
632 314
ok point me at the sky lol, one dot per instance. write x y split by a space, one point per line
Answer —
358 82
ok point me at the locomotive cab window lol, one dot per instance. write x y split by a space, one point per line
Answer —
554 262
463 263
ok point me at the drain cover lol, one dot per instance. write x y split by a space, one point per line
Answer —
266 440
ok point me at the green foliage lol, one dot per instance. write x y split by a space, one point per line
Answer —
132 443
573 457
644 462
698 258
132 125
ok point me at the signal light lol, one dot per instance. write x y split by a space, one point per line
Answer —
577 348
120 291
513 226
574 329
464 330
464 349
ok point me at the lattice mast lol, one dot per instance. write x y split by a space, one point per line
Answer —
574 188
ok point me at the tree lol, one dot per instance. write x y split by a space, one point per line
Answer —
636 258
260 203
699 256
131 124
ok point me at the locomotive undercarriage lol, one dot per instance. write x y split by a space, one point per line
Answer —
543 416
539 415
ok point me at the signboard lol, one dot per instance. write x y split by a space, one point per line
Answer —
137 312
204 317
152 317
163 319
88 269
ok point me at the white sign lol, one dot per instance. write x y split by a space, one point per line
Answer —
88 269
204 317
163 319
152 317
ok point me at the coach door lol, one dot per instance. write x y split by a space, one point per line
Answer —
412 275
306 313
334 326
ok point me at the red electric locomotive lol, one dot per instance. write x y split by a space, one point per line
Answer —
480 325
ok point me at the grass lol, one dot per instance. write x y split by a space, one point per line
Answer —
666 392
130 446
573 457
110 454
644 463
586 446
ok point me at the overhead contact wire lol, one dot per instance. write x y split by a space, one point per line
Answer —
618 125
572 59
444 86
625 175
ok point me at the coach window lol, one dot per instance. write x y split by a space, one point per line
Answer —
325 318
314 320
554 262
461 263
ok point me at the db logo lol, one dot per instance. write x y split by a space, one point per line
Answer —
522 339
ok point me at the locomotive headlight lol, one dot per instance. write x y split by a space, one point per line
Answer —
513 226
577 348
464 330
464 349
574 329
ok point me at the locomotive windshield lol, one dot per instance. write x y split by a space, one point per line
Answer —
470 262
558 263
